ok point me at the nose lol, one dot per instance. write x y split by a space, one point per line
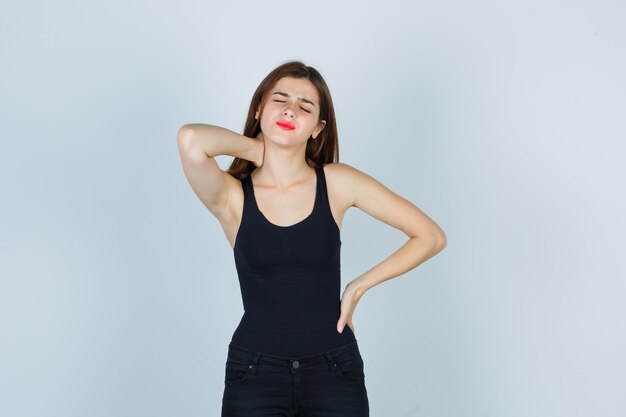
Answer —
289 111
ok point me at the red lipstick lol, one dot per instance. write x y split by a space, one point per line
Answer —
285 125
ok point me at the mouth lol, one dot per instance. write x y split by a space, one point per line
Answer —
285 125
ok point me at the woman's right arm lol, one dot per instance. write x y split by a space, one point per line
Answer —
198 144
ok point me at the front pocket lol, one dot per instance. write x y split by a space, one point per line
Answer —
236 372
351 368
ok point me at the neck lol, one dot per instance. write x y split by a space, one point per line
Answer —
282 167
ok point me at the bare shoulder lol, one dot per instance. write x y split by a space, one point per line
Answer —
348 180
365 192
337 181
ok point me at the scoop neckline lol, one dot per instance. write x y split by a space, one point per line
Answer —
315 202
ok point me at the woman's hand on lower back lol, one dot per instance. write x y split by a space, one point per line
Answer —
351 296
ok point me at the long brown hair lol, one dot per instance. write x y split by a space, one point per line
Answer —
319 151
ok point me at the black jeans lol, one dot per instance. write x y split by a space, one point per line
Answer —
330 384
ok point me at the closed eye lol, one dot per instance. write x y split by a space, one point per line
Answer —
282 101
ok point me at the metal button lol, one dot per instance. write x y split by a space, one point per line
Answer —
296 364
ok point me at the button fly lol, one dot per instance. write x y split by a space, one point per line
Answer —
295 364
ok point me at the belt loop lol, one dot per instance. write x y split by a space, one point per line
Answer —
332 365
254 364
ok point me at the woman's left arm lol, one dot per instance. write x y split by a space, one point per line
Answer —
426 238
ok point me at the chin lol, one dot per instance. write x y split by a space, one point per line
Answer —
284 137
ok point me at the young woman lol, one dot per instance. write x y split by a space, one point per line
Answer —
281 204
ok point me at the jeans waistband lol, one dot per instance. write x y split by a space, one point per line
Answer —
255 357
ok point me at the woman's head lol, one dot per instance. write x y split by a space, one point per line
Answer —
298 94
290 112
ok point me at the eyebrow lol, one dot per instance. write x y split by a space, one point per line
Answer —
299 98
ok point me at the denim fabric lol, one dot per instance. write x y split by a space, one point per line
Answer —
329 384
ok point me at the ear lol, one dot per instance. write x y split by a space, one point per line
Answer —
319 128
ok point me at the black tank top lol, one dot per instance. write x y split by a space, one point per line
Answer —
290 280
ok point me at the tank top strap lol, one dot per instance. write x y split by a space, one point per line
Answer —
323 192
246 184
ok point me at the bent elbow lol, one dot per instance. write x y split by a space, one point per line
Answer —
184 137
441 242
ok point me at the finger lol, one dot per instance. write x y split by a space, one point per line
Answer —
341 324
